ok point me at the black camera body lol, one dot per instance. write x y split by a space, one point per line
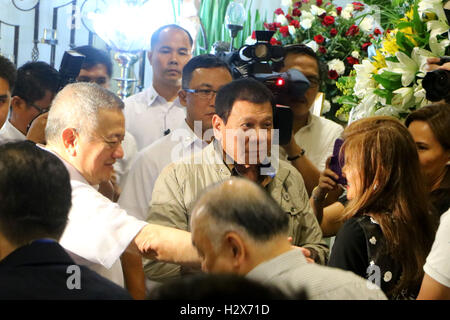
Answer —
437 83
256 61
70 67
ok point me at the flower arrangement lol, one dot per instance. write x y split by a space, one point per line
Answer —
340 37
389 82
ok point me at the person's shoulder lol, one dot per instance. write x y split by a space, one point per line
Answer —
139 97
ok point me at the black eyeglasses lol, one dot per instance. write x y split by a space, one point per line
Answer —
202 93
41 110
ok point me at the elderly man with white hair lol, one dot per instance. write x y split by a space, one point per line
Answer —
85 129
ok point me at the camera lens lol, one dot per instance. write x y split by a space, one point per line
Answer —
437 85
261 51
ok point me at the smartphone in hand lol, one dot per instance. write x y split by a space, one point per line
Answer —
337 161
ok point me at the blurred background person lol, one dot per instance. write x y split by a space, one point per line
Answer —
8 76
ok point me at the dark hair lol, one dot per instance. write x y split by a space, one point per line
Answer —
35 193
302 50
438 118
218 287
95 56
246 89
207 61
33 79
245 204
155 36
8 72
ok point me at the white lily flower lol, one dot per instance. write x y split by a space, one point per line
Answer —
347 12
363 81
365 108
404 98
366 25
438 48
432 6
388 111
436 28
420 95
280 18
337 65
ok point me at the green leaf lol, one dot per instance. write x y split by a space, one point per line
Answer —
389 80
419 26
404 43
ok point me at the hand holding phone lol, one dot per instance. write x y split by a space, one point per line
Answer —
337 161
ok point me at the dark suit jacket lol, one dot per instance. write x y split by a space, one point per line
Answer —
43 270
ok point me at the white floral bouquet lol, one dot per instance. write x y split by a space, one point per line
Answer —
390 81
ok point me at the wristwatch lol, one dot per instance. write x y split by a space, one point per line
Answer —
301 154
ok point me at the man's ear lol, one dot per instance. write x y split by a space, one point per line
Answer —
17 103
237 251
217 124
70 141
183 97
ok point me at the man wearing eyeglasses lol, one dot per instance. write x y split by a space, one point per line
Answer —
313 137
35 88
201 78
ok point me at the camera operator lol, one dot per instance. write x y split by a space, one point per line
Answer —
313 137
35 88
435 64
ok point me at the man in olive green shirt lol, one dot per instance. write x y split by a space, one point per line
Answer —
244 113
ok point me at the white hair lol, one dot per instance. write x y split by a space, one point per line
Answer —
77 106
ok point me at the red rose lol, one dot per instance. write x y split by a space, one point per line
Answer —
284 31
328 21
270 26
377 32
274 41
333 75
289 17
319 39
366 45
319 2
333 32
358 6
322 50
296 12
279 11
339 10
351 61
298 4
277 24
295 23
352 31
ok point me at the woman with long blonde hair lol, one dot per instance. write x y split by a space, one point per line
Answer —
388 230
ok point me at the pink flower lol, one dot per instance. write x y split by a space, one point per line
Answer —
319 39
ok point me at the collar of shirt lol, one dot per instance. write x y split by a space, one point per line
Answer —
191 138
152 98
278 265
9 132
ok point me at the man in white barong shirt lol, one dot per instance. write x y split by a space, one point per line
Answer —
85 129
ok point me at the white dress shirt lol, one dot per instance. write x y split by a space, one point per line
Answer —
317 139
148 116
437 265
122 166
9 133
137 191
98 231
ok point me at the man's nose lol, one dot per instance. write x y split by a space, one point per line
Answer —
118 153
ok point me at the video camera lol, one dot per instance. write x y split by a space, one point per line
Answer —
70 67
437 83
257 61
